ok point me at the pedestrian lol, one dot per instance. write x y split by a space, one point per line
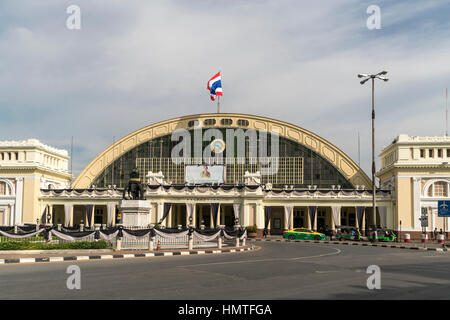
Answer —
265 233
435 233
441 232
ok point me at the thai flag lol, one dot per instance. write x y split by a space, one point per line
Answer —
215 86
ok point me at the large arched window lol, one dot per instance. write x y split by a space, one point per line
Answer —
441 189
298 165
438 189
5 188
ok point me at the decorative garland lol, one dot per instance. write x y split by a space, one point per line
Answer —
21 236
119 232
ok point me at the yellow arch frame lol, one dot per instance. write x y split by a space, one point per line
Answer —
328 151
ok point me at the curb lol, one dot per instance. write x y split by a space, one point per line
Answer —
365 244
124 256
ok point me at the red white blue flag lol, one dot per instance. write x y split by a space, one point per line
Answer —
215 86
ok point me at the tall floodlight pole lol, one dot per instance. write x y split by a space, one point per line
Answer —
380 76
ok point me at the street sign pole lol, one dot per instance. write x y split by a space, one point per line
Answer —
424 223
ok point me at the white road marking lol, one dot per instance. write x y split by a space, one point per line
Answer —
265 260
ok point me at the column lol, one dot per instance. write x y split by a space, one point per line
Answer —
11 215
194 216
169 223
292 218
219 215
68 214
200 218
416 203
179 215
363 227
113 212
246 215
5 216
71 215
259 218
93 216
222 215
19 196
187 216
288 213
314 224
50 212
159 213
336 216
433 220
308 219
211 221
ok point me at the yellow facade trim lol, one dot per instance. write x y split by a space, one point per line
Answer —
328 151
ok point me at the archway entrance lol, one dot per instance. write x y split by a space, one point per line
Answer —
300 217
277 221
178 215
203 215
227 215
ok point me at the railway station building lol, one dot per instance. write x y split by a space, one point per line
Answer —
228 168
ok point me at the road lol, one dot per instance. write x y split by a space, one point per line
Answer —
276 271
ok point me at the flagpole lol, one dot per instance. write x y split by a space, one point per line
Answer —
218 97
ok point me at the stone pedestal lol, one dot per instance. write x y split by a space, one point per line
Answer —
135 213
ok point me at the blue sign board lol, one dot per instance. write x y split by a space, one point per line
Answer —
443 208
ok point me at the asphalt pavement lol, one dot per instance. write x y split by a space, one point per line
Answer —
276 271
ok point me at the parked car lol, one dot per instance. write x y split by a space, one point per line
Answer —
303 234
348 233
387 235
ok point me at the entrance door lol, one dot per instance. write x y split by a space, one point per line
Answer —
321 221
203 213
277 221
299 221
352 219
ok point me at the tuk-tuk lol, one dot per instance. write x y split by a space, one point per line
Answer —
386 235
347 233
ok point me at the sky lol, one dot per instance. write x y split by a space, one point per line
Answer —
133 63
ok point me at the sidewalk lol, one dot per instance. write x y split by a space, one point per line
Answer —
102 254
400 245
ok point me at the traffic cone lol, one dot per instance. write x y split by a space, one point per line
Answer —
158 246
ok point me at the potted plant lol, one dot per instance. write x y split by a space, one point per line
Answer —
251 231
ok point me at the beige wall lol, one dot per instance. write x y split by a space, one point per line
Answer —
404 202
31 209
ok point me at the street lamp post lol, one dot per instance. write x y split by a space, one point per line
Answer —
380 76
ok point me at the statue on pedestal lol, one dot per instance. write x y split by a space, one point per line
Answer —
133 191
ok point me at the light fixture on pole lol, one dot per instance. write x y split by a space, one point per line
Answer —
367 77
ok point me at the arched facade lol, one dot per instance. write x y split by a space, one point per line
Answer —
296 140
436 188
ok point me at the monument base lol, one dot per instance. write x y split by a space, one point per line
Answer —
135 213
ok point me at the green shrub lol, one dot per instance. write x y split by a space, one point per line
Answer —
27 245
252 229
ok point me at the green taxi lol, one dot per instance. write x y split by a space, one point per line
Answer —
386 235
348 233
303 234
